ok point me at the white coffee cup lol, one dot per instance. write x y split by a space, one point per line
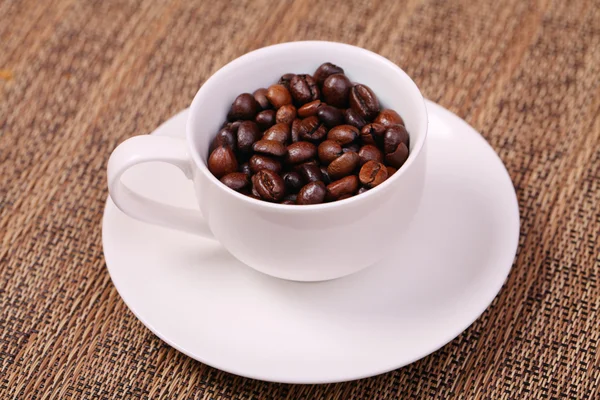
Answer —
302 243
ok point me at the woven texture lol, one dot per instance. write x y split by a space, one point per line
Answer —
78 77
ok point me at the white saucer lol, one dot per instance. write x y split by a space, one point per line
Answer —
199 299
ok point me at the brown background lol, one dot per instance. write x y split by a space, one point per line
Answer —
78 77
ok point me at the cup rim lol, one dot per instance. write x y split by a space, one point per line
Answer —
262 204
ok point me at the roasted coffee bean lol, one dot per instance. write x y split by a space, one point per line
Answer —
244 107
343 165
295 130
345 196
398 157
309 109
245 168
225 137
312 129
389 118
325 175
233 126
372 134
343 134
369 152
393 136
390 170
325 70
278 132
300 152
288 202
270 148
364 102
236 180
342 187
260 96
259 162
286 114
268 185
304 89
253 194
355 147
362 190
222 161
372 174
312 193
330 116
310 172
293 181
352 118
292 197
336 90
279 96
329 150
248 133
285 80
265 119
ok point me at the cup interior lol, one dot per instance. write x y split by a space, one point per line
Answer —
264 67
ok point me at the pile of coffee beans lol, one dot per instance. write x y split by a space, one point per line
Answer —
308 139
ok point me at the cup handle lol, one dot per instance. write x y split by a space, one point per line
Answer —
146 148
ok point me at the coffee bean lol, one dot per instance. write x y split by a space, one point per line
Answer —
285 80
248 133
293 181
225 137
310 172
233 126
309 109
304 89
236 180
295 130
222 161
355 147
245 168
329 150
372 174
244 107
278 132
398 157
312 129
270 148
325 175
393 136
286 114
364 102
292 197
343 165
362 190
390 170
288 202
253 194
312 193
352 118
260 96
346 186
389 118
300 152
343 134
372 134
336 90
345 196
369 152
279 96
325 70
269 185
265 119
259 162
330 116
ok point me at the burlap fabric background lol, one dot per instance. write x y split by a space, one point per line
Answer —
78 77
